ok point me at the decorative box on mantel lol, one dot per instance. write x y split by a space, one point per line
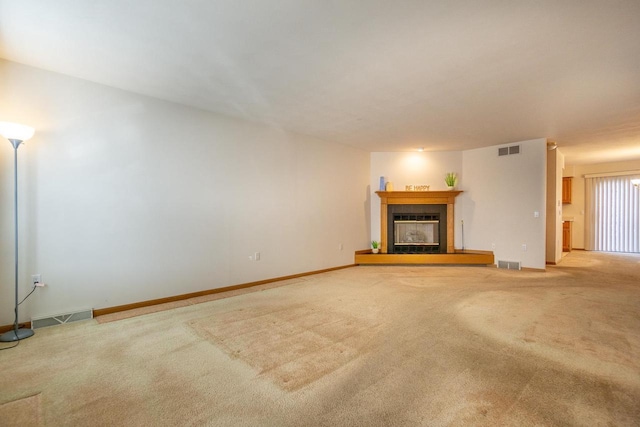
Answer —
436 241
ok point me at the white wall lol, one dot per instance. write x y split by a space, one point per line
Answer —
126 198
501 195
576 208
425 168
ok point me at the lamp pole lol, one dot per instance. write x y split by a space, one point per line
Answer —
17 333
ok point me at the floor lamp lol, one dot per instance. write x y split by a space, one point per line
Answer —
16 134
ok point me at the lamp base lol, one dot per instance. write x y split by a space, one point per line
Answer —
14 335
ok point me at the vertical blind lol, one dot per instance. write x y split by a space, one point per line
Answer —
612 214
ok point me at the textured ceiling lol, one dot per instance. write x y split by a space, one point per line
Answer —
379 75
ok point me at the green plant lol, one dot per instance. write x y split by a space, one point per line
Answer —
451 179
375 244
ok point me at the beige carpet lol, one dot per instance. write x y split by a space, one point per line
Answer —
365 346
24 412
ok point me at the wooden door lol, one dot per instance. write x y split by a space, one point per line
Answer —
566 236
566 189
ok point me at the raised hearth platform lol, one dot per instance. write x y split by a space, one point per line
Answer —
466 257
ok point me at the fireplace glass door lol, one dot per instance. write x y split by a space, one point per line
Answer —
416 233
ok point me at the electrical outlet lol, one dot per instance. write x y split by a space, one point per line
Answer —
36 278
493 246
524 247
256 256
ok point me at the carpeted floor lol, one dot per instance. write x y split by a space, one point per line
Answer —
365 346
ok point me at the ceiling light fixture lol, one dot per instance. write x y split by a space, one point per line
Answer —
421 149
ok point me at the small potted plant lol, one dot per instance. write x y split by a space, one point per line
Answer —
375 246
451 179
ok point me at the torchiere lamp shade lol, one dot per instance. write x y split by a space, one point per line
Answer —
15 131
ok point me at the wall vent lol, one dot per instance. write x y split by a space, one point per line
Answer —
509 265
60 319
505 151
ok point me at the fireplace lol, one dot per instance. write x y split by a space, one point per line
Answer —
432 221
416 229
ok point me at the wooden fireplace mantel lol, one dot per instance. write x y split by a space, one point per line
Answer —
417 198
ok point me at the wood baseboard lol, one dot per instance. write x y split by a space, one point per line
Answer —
109 310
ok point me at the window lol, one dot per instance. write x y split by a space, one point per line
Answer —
613 213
